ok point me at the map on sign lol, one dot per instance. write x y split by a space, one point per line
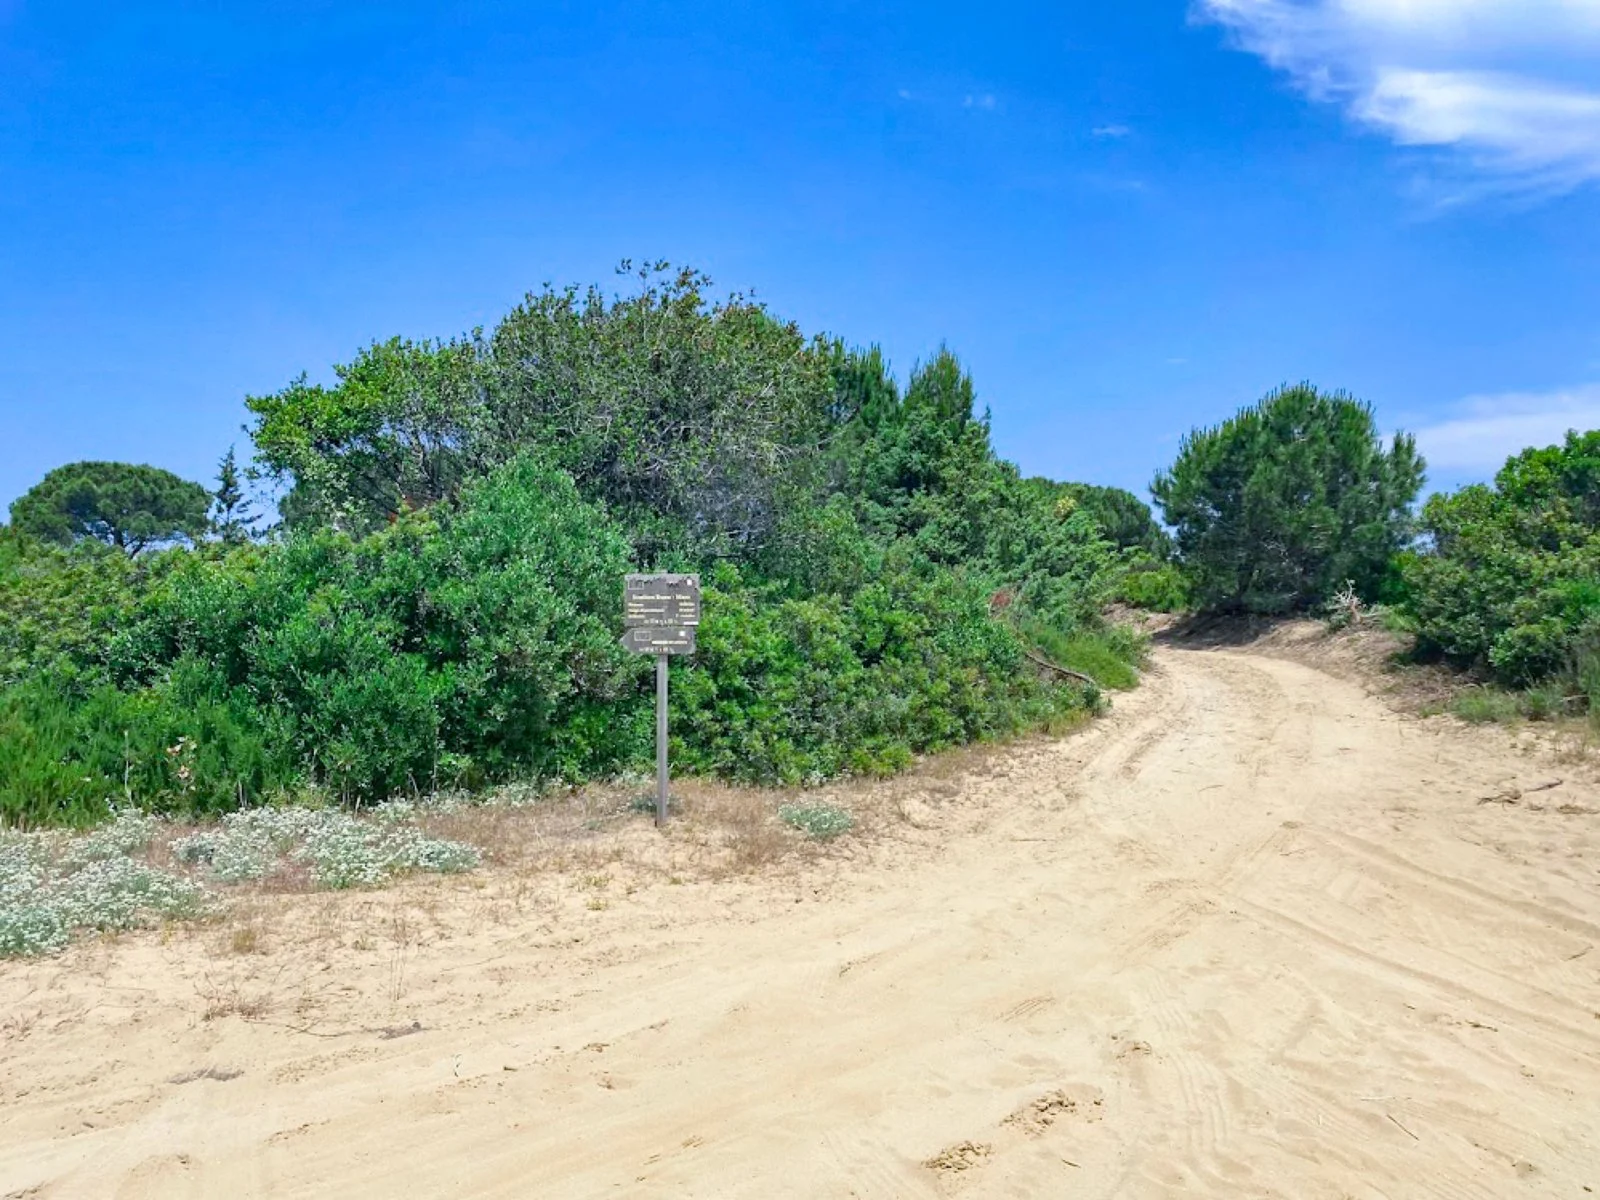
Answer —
658 639
666 600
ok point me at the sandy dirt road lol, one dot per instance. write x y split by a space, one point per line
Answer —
1252 935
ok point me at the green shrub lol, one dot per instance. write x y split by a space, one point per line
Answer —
793 690
67 760
59 607
1154 587
1509 581
440 608
1110 655
1485 705
821 821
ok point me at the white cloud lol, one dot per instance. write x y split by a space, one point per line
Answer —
1486 430
1111 131
985 101
1510 86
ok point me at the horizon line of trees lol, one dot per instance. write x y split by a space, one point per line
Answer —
438 604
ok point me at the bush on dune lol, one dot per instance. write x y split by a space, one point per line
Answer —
441 605
1509 578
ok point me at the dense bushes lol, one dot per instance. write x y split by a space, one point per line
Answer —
791 689
1509 577
456 646
1279 506
441 605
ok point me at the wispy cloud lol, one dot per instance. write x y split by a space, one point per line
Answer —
1484 431
1507 86
980 100
1111 131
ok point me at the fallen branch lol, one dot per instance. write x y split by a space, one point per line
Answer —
1512 795
1041 660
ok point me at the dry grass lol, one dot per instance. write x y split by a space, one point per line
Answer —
280 950
245 939
233 998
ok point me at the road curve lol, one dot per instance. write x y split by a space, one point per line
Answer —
1252 935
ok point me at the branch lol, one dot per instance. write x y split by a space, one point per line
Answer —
1041 660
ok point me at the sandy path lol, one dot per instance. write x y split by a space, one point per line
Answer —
1253 935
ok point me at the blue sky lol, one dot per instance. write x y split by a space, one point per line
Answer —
1127 218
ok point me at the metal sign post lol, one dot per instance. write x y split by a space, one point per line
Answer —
661 740
659 615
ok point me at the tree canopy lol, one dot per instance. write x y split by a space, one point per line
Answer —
129 506
691 419
1279 506
1509 576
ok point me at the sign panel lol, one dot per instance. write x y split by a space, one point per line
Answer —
659 615
659 639
665 600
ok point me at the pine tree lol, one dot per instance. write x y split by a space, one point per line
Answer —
231 515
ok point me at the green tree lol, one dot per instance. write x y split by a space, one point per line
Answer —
1275 508
924 468
121 504
697 423
1509 577
231 515
390 436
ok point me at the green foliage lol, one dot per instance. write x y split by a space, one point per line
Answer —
1509 581
790 690
451 647
130 507
441 604
231 515
390 436
59 605
691 421
1111 656
925 470
1124 520
824 822
67 759
1153 586
1482 706
1279 505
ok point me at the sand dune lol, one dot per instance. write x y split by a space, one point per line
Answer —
1252 935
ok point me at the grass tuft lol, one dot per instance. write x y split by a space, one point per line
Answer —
1485 705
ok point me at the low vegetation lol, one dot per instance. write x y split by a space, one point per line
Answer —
820 821
132 872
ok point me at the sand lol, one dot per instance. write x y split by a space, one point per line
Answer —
1254 934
